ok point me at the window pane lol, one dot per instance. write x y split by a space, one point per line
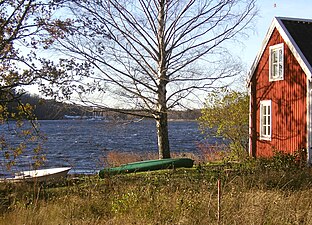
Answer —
275 70
280 52
268 133
264 115
274 56
268 119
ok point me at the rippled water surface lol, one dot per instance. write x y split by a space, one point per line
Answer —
82 144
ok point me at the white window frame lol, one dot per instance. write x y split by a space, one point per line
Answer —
276 64
265 120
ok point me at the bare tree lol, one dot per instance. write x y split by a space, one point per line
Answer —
154 54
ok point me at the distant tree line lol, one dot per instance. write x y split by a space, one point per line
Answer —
49 109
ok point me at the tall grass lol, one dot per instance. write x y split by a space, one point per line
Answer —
253 192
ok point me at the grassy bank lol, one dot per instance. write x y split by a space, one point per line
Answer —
252 193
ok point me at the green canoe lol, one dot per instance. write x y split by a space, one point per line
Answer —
148 165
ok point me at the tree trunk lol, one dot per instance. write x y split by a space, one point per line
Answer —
162 135
162 115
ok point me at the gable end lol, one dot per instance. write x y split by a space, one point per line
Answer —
293 31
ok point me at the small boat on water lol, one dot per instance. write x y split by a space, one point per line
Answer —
42 175
148 165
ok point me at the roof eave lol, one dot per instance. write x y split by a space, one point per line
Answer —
260 53
302 60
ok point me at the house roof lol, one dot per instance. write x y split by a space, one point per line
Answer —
297 34
301 32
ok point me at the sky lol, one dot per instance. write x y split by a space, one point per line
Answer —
268 9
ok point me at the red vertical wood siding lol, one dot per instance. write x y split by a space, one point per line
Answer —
289 104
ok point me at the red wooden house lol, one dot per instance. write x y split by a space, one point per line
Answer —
281 90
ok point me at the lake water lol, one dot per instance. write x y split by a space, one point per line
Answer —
82 144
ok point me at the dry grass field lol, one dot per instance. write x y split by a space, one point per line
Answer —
272 191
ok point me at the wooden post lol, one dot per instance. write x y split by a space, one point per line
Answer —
219 201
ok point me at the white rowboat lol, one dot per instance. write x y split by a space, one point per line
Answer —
42 175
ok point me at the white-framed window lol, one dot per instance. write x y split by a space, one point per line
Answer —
265 119
276 62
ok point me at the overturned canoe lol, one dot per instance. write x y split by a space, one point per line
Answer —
148 165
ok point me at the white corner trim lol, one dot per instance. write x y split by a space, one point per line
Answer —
309 122
250 123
